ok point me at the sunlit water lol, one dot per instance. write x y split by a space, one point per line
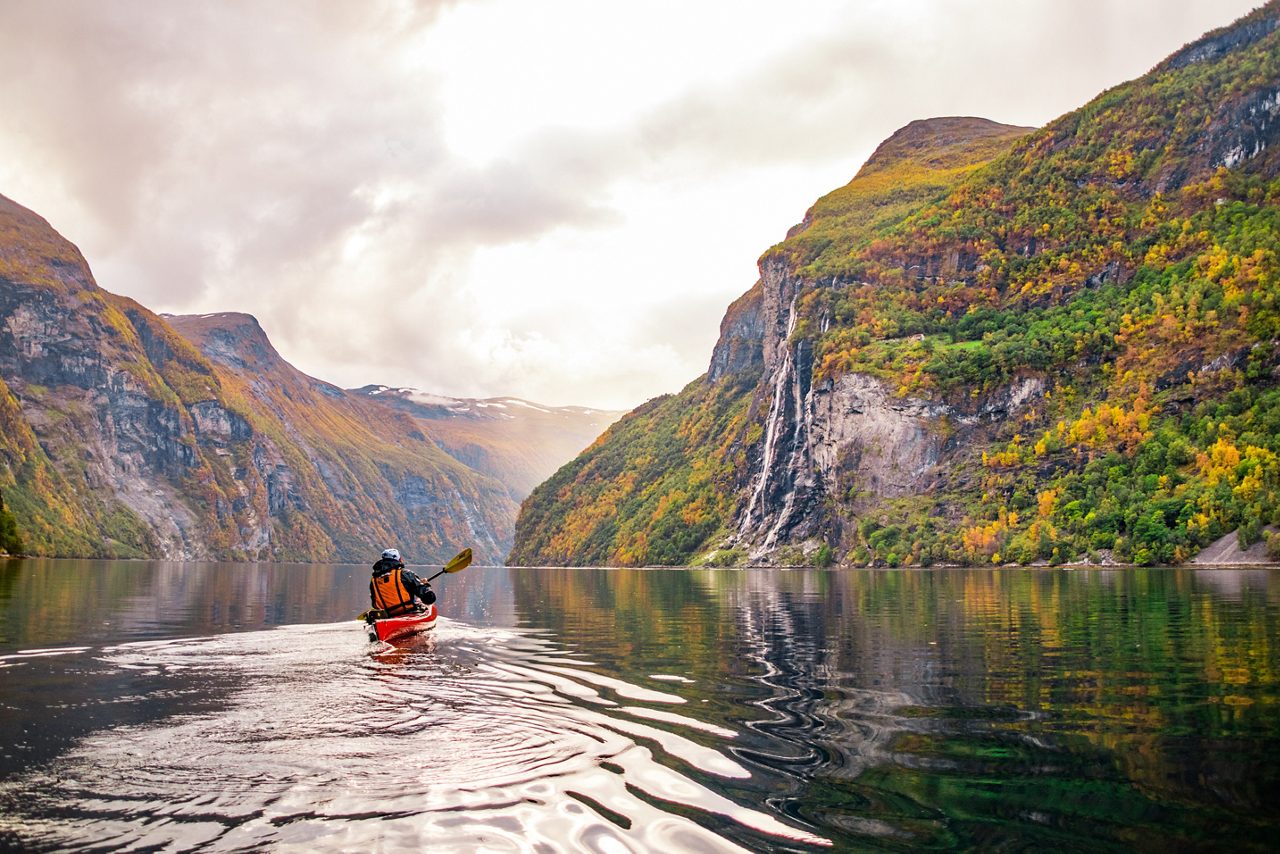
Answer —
217 707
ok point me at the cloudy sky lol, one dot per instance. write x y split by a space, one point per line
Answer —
554 200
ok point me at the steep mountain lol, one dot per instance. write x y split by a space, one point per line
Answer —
518 443
666 480
991 345
364 462
129 434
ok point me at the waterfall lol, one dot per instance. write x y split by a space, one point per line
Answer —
774 425
794 467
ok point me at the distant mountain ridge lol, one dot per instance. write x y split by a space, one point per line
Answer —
994 344
130 434
517 442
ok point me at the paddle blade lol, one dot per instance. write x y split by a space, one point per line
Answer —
460 561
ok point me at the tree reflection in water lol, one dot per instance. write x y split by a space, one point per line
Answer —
670 709
963 707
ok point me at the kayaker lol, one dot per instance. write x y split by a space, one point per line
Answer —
395 589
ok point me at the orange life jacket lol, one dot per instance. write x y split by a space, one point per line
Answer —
389 593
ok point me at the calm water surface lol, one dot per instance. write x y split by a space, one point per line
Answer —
160 706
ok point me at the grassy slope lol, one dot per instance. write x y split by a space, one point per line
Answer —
916 166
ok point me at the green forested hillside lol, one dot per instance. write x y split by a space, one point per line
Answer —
661 484
652 489
1121 261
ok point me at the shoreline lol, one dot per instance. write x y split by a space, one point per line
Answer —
1193 564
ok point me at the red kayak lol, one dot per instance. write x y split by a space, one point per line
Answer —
394 628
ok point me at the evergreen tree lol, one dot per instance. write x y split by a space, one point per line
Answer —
10 539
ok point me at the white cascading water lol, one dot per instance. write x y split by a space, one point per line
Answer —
784 380
783 516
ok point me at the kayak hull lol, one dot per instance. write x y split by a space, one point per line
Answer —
394 628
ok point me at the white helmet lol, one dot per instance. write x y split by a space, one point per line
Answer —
391 553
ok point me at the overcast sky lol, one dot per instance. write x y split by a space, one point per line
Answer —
553 200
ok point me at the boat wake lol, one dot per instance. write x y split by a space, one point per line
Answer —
467 739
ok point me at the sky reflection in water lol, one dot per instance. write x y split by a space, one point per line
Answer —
463 741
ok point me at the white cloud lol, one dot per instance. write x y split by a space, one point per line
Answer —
549 200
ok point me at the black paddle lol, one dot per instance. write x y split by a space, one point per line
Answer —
457 563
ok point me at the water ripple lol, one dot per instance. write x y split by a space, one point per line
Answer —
467 739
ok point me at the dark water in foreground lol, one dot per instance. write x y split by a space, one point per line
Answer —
221 707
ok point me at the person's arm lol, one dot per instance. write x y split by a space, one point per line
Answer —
418 587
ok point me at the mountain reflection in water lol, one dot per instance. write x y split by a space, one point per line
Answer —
602 710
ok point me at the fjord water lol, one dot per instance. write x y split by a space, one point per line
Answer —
230 707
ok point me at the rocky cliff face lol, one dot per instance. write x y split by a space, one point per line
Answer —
112 439
993 344
837 446
749 458
360 471
848 440
131 434
741 345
